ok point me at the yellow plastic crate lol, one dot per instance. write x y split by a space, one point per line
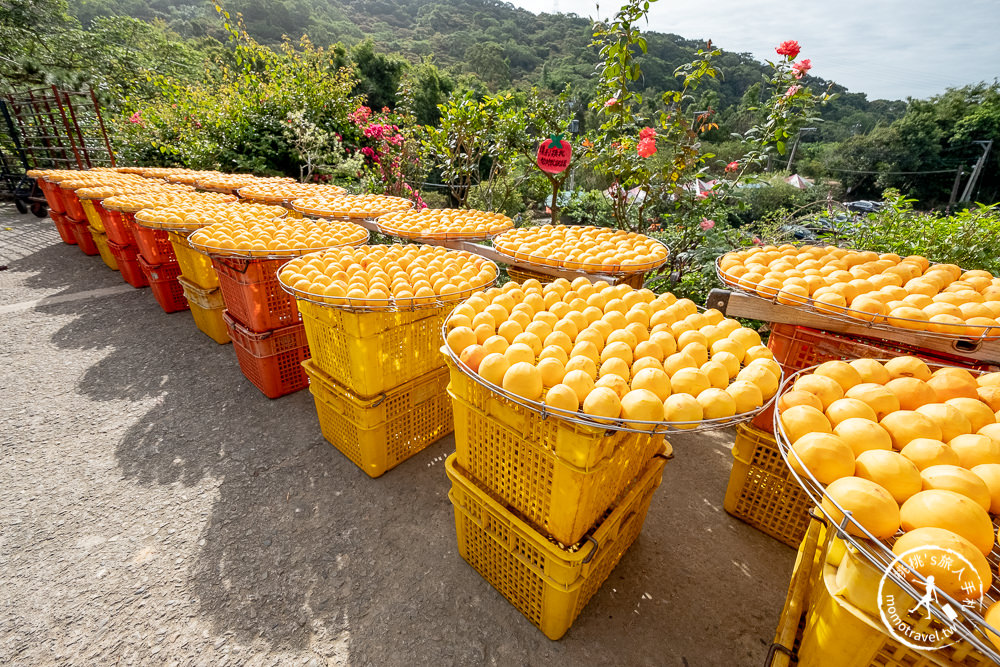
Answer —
818 628
379 433
101 241
558 498
196 267
578 445
762 491
838 634
93 217
549 584
372 352
207 309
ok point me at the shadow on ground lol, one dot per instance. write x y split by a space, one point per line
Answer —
304 555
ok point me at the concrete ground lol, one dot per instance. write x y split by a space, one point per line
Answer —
156 508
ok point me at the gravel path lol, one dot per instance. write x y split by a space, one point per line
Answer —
155 508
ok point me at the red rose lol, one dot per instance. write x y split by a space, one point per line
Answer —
647 147
732 166
801 68
647 133
789 48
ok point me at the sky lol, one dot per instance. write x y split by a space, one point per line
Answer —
891 49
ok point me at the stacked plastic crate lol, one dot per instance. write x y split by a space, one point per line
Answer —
262 319
761 490
377 378
545 505
76 218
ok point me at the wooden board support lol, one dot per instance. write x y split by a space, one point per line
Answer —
737 304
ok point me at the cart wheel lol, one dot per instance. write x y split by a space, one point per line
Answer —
21 207
39 209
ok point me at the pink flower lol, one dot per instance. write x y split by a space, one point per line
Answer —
610 103
361 115
707 224
801 68
136 118
757 241
732 166
789 48
647 147
647 133
792 90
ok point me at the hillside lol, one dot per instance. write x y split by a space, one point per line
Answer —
492 44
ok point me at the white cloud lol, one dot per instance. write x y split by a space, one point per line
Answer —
887 49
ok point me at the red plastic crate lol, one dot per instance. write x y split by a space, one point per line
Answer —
84 240
271 360
64 227
72 203
253 294
154 245
118 226
53 195
128 263
796 347
167 290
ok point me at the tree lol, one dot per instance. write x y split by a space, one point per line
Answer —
378 75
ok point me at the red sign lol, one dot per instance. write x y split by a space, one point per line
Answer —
554 155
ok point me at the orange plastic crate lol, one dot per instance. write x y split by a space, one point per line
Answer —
84 241
253 295
127 258
53 195
72 203
118 226
272 360
796 347
154 245
167 291
64 227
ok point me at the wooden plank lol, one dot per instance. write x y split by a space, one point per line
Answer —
737 304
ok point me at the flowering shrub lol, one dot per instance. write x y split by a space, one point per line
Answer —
238 119
656 164
390 159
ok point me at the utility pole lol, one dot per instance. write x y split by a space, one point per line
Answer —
954 188
987 145
798 135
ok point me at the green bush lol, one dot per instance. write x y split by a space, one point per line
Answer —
246 115
969 238
590 207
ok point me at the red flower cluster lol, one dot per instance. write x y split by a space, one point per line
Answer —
801 68
361 115
789 48
647 142
732 166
